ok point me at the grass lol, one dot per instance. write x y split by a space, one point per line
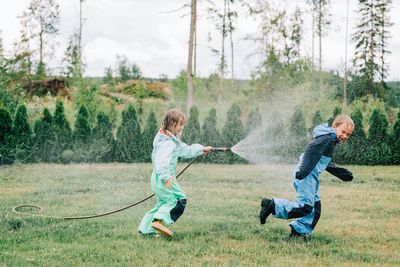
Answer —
359 226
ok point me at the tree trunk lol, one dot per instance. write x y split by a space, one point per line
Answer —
190 57
345 57
80 39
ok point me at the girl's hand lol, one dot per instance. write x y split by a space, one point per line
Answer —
206 149
168 183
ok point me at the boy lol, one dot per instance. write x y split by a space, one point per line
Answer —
171 200
316 158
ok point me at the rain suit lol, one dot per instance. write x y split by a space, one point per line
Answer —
170 202
316 158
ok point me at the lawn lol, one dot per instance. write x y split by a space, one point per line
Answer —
360 222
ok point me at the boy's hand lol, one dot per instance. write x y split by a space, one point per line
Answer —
168 183
206 149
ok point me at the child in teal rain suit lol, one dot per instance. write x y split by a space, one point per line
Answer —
306 209
171 200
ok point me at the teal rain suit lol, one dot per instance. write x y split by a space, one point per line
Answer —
170 202
316 158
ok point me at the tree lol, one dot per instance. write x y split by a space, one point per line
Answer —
233 131
210 135
129 141
5 136
253 121
43 137
395 141
108 76
22 135
323 21
316 120
383 8
62 132
79 45
336 111
72 60
193 20
297 135
103 143
82 135
42 20
378 150
149 132
191 132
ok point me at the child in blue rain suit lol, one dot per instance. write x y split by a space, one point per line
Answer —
171 200
306 209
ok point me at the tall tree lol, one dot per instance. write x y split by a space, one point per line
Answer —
42 19
5 136
43 137
129 136
22 134
103 143
192 31
150 130
191 132
323 21
383 8
71 58
62 132
81 21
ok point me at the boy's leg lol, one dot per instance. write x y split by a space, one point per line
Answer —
305 225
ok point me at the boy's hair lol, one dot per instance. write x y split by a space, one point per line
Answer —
343 119
171 118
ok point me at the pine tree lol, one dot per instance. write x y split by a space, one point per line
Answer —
336 111
316 120
62 133
191 132
210 135
149 132
378 150
129 137
22 135
103 144
82 135
395 141
297 134
233 131
6 141
253 121
43 137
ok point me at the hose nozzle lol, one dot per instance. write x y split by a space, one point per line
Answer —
221 149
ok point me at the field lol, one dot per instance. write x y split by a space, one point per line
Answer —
359 226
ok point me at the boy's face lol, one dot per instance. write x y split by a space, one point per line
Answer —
178 128
343 132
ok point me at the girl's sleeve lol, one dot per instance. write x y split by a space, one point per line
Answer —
162 159
192 151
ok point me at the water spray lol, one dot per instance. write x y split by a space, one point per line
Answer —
16 208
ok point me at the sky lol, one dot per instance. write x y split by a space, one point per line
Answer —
154 35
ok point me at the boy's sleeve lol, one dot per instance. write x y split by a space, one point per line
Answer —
192 151
162 159
312 155
342 173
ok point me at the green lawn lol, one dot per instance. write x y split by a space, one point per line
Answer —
360 222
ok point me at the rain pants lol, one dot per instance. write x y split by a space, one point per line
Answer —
316 158
170 202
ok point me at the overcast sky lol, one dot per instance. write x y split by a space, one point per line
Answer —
153 37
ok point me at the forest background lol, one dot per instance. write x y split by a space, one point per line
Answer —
61 115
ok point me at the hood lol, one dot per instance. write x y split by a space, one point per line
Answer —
324 129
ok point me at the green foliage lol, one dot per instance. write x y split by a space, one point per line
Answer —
126 70
316 120
44 138
87 95
129 140
191 132
103 144
378 151
62 132
108 76
395 141
253 121
210 136
297 134
40 71
82 135
67 156
22 135
233 131
336 111
149 132
5 136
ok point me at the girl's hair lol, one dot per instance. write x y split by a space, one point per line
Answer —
343 119
171 118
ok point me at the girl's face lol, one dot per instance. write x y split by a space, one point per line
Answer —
343 132
178 128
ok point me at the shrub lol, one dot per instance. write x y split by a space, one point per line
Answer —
149 132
